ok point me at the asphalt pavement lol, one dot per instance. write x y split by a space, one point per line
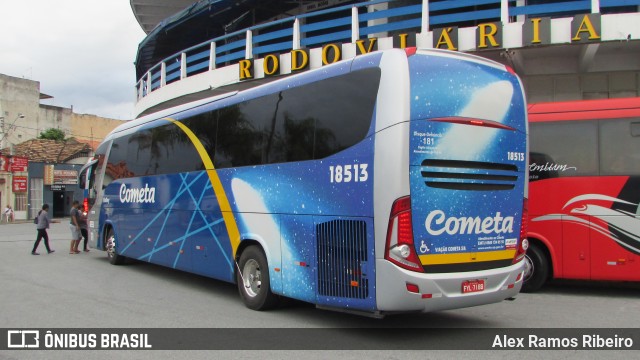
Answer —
60 290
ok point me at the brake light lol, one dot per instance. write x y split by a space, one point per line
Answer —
410 50
85 205
524 242
400 249
474 122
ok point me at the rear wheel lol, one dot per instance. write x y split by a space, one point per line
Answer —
110 246
536 268
253 280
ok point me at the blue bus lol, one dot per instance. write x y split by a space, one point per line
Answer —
391 182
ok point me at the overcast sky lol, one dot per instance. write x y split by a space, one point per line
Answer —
81 52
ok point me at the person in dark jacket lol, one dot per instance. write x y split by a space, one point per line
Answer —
42 225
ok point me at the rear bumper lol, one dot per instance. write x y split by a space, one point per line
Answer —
441 291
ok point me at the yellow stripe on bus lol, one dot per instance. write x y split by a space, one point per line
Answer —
223 201
457 258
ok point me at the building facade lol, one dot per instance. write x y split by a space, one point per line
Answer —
562 49
23 160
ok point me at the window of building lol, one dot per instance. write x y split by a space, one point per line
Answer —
20 202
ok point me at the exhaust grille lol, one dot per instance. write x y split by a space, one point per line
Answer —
469 175
342 252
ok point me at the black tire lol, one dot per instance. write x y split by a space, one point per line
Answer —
253 280
537 268
110 244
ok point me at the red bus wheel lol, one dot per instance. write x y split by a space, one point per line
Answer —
536 268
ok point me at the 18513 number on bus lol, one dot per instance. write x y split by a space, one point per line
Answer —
349 173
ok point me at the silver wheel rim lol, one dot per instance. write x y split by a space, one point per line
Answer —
252 278
111 246
528 268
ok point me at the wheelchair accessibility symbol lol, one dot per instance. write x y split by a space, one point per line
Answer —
423 247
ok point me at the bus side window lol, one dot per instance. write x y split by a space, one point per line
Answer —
635 129
537 167
620 147
567 148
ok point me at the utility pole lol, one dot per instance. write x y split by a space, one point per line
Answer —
5 131
2 127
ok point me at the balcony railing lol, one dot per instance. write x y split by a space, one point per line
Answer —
350 23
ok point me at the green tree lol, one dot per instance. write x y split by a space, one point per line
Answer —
52 134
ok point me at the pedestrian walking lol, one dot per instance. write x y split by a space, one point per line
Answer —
42 224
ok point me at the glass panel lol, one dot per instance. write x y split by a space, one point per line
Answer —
562 149
619 147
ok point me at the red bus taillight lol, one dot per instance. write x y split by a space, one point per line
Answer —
85 205
400 249
410 51
524 243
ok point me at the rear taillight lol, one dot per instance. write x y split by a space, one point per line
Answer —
400 249
85 205
524 243
410 51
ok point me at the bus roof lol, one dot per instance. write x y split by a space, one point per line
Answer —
585 109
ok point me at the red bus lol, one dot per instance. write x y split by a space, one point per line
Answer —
584 171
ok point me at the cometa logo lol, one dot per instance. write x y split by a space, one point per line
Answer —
137 195
438 223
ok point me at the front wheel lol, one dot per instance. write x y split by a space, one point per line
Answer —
253 280
536 269
110 246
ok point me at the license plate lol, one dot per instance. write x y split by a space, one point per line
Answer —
471 286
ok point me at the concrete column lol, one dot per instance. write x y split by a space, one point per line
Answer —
163 74
504 11
212 56
183 65
296 35
425 17
249 45
355 25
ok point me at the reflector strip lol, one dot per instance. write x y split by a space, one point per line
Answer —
413 288
439 259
